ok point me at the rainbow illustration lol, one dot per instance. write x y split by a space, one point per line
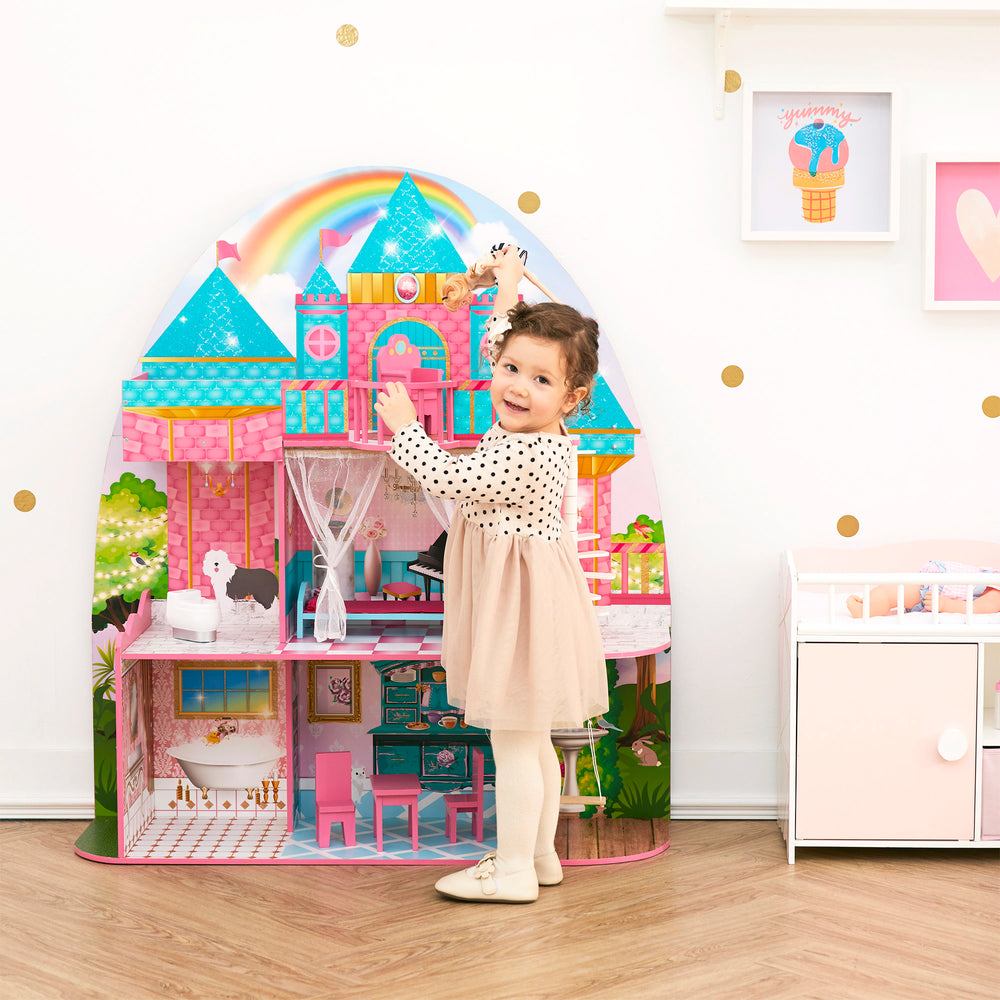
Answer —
285 238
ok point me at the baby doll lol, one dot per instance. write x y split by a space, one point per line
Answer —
951 597
459 289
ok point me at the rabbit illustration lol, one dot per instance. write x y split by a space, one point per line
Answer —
645 753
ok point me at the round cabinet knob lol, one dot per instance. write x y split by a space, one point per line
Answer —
952 744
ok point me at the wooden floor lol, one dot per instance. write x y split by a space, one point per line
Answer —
719 915
600 837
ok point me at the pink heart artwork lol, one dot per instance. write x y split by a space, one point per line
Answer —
980 228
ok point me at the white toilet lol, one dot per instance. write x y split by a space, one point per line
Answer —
192 616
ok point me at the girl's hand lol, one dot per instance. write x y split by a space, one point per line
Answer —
509 264
395 407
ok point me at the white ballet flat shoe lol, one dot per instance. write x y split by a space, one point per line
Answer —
484 884
548 869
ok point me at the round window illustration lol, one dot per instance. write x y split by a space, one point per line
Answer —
322 343
407 287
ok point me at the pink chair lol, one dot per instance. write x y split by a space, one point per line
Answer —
431 402
467 802
333 796
396 360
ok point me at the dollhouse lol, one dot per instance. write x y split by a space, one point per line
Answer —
266 592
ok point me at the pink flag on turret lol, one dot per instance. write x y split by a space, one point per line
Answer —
224 250
331 238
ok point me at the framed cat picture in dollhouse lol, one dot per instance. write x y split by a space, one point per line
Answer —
962 232
820 165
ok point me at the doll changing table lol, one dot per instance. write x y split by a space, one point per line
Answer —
886 734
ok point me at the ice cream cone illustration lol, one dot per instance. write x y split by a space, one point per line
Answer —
818 153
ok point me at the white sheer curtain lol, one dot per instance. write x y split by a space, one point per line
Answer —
333 489
441 509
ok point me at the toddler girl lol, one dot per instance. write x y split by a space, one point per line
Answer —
520 638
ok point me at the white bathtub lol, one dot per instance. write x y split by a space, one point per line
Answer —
235 762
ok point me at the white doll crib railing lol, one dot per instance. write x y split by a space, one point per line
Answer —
816 597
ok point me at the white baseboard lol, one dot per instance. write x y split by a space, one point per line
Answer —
46 810
734 809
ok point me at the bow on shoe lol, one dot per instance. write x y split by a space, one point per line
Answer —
485 870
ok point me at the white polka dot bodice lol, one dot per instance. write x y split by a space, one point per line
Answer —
512 484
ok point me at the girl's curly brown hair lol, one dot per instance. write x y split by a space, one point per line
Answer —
563 325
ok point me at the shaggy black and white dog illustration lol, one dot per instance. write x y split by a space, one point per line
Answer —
237 583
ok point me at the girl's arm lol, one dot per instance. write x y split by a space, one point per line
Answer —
509 272
525 467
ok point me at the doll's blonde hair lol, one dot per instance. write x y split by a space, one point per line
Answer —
454 290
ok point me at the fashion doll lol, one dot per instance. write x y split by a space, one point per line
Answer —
459 289
520 641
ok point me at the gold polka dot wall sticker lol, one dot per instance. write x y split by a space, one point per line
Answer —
347 35
528 202
24 500
991 406
732 376
848 526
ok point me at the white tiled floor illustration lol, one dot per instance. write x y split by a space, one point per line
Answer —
224 839
623 627
244 838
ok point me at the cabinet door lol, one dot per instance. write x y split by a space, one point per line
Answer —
396 758
445 759
869 719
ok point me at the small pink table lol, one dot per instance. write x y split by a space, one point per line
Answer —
395 790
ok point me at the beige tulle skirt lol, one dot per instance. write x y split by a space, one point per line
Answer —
521 644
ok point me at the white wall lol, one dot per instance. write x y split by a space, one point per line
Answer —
137 135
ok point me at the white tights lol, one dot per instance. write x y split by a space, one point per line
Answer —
528 786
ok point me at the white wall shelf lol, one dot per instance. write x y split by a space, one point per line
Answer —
723 13
903 8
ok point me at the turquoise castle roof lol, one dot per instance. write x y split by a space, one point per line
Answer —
606 412
407 238
218 322
321 283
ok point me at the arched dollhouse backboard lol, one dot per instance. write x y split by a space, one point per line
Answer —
247 487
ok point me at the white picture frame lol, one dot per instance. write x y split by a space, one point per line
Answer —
831 192
962 231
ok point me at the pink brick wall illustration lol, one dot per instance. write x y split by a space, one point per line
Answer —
602 528
144 439
201 441
218 522
177 527
256 438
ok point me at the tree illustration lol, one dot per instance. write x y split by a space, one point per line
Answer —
649 718
105 738
605 749
131 552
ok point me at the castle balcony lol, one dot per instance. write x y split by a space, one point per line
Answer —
341 412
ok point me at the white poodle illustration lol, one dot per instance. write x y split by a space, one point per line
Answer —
237 583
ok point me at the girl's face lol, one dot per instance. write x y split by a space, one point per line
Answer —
529 391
